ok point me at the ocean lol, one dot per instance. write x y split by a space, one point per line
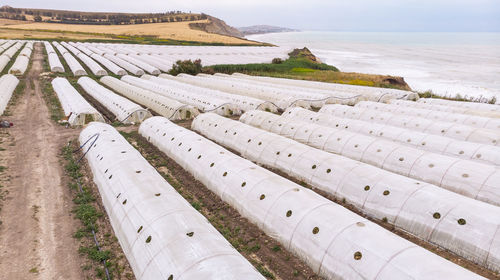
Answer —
446 63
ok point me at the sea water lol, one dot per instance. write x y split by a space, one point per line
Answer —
445 63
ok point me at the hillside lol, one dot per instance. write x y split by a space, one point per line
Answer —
162 28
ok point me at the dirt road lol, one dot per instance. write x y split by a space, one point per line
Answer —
37 225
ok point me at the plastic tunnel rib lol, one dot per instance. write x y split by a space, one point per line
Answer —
245 102
162 105
161 234
125 110
378 193
470 120
8 84
448 129
330 238
429 142
202 102
77 110
469 178
477 111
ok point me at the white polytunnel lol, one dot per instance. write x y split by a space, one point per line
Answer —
115 69
446 108
429 142
134 70
143 65
472 179
470 120
161 234
20 65
155 62
282 101
92 65
73 64
48 47
164 106
331 239
77 110
54 61
8 84
336 97
462 104
268 92
408 204
11 52
448 129
125 110
202 102
245 102
8 54
371 93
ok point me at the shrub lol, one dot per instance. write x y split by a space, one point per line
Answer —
187 67
277 60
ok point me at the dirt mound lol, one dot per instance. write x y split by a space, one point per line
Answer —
304 53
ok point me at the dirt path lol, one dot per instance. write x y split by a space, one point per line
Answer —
37 225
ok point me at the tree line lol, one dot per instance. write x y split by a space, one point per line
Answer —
96 18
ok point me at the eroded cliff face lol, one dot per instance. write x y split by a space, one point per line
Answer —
217 26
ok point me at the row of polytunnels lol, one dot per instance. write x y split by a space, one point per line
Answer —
299 152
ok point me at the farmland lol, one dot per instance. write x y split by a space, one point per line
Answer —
253 176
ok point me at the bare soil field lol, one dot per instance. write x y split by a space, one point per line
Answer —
168 30
37 224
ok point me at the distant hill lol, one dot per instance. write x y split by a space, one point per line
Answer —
172 25
263 29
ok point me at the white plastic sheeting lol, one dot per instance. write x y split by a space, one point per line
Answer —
77 110
141 64
462 104
244 102
22 60
134 70
448 129
379 193
125 110
115 69
11 49
162 105
445 108
11 52
8 84
269 92
429 142
92 65
472 179
161 234
73 64
333 241
202 102
282 101
54 62
371 93
474 121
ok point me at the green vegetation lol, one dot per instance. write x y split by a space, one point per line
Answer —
187 67
289 66
303 65
86 211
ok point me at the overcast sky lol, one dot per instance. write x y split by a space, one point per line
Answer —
341 15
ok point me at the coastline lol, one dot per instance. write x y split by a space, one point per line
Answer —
448 66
